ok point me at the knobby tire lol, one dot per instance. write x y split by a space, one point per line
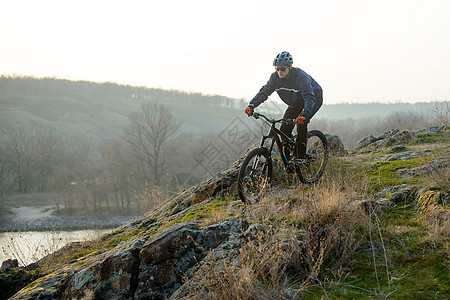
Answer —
317 158
255 176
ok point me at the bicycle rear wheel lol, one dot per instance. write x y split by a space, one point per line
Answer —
255 176
316 158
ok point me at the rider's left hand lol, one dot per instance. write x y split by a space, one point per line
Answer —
300 120
249 110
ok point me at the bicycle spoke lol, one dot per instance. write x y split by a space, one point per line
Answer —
254 176
316 158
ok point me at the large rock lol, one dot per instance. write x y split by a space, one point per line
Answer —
109 275
165 258
395 195
175 253
393 137
335 145
13 277
365 142
50 286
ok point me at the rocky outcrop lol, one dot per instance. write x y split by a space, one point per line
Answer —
433 166
149 267
153 255
386 139
393 137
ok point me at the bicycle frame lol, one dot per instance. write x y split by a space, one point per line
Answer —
274 135
255 174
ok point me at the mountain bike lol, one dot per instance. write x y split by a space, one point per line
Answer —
255 174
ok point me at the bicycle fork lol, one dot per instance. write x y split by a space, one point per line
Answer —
256 163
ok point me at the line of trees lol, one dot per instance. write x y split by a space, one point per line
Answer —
83 176
26 87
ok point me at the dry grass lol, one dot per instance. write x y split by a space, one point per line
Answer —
256 270
151 197
437 215
215 217
295 240
439 177
438 220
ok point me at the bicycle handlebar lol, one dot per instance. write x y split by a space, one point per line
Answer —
271 120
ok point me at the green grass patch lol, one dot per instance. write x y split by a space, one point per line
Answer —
426 138
426 277
217 205
416 268
116 241
106 243
383 174
202 212
402 216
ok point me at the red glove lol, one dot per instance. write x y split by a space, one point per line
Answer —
300 120
249 110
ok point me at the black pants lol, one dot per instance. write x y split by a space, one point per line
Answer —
302 130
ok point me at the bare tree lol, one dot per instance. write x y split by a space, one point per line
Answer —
441 112
48 143
31 153
6 181
71 177
117 171
148 135
23 156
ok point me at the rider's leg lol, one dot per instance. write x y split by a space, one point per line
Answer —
290 113
303 130
301 140
286 128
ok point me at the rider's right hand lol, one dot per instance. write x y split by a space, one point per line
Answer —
249 110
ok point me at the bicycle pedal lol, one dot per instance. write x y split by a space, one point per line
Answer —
299 161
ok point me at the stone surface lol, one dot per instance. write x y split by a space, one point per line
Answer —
395 195
335 145
391 138
9 264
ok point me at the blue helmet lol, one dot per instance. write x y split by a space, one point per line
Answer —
283 59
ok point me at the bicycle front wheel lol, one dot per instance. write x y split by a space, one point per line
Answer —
255 176
316 158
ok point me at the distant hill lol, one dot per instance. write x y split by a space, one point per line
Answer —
95 111
100 110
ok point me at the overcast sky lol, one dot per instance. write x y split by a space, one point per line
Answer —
358 50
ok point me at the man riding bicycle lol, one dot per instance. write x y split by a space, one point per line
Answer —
299 91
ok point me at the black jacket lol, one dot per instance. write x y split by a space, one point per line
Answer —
298 90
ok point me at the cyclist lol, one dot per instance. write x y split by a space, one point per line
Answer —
299 91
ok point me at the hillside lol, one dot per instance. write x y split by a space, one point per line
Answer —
376 226
98 111
92 111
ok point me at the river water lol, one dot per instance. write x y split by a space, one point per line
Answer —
30 233
30 246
